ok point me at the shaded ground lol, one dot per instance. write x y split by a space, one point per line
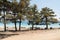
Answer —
6 35
9 33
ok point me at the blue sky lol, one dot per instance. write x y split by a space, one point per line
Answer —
53 4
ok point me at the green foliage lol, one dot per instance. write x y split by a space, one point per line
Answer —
47 13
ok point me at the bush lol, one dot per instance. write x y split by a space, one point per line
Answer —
50 27
37 28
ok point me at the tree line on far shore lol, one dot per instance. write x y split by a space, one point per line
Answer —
17 11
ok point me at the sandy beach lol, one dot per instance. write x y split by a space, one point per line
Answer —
53 34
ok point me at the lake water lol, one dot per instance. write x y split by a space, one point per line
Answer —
25 24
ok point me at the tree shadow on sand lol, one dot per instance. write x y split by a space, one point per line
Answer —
2 36
6 34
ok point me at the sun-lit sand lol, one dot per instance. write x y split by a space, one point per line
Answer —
53 34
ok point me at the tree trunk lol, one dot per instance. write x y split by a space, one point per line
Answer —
15 26
4 25
32 26
46 23
4 22
19 25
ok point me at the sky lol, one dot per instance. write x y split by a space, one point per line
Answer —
53 4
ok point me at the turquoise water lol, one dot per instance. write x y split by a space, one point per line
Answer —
25 24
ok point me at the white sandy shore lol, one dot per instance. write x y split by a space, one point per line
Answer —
36 35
